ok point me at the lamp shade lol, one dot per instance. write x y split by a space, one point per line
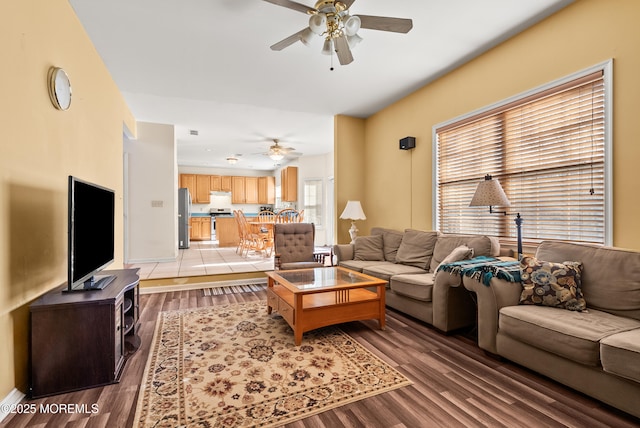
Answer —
489 193
353 211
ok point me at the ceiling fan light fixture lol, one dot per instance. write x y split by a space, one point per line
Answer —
352 25
232 160
318 23
327 47
307 37
354 40
276 156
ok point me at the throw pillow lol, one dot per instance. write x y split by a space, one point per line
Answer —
368 248
416 248
462 252
552 284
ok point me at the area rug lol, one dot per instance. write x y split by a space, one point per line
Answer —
237 366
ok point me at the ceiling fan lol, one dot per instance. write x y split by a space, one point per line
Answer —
331 19
278 152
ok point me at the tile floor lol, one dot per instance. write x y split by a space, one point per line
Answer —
205 258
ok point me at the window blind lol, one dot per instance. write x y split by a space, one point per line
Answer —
548 152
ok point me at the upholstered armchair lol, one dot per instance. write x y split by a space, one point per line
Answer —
294 246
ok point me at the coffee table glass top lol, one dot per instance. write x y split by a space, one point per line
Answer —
326 277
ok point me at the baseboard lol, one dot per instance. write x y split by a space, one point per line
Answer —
200 285
10 402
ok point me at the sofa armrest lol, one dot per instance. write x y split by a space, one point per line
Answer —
490 300
343 252
453 307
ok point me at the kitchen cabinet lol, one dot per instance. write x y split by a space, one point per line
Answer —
267 190
244 190
203 189
216 183
188 181
227 231
237 190
251 190
225 183
199 186
289 183
200 228
83 339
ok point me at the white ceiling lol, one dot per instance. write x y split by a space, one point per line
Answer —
206 65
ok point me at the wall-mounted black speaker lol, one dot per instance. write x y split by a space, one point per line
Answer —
408 143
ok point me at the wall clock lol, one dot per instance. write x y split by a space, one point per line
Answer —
59 88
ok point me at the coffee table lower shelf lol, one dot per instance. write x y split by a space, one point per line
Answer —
305 312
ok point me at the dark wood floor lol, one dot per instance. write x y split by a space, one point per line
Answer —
455 383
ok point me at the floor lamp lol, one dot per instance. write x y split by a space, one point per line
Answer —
489 193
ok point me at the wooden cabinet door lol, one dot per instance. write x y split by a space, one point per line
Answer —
237 190
267 190
225 183
194 228
216 183
203 189
251 190
189 181
205 229
289 184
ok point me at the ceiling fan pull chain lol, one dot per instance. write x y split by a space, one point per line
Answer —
331 68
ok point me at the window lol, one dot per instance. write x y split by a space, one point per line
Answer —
548 150
313 201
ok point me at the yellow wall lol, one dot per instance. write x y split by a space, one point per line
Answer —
41 146
349 164
397 189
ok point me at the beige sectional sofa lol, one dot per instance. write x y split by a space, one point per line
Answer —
408 260
596 351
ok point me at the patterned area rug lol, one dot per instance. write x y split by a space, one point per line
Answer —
237 366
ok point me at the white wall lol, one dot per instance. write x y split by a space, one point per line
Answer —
152 217
319 167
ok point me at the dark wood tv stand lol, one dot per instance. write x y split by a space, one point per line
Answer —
82 339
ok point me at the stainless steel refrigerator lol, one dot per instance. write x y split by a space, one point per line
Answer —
184 212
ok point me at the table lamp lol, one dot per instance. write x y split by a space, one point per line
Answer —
489 192
353 211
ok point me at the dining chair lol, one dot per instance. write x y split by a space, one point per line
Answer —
287 215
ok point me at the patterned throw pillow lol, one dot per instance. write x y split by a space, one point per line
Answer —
552 284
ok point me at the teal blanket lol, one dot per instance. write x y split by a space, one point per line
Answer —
484 268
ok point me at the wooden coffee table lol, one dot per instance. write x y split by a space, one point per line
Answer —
312 298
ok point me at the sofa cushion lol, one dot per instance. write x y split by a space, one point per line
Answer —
391 240
359 265
418 286
385 270
416 248
551 284
570 334
368 248
620 354
459 253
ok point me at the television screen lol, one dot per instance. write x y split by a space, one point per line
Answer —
91 234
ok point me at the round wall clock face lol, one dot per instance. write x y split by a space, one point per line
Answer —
59 88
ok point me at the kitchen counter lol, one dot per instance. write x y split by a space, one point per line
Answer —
227 231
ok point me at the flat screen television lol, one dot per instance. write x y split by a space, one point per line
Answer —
91 235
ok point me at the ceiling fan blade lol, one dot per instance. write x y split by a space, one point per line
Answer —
383 23
288 41
343 51
292 5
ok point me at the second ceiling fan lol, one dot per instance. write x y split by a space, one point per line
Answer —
332 20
